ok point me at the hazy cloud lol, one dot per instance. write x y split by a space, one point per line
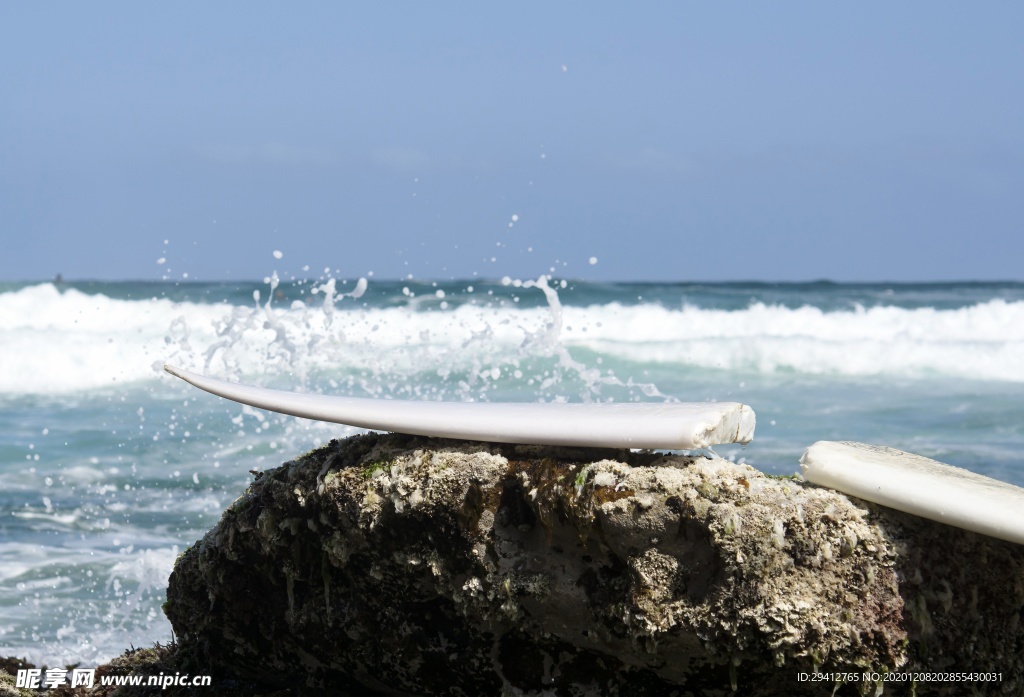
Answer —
656 160
404 160
272 153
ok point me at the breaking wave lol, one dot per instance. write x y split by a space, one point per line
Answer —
63 340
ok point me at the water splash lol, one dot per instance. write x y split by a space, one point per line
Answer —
472 352
548 341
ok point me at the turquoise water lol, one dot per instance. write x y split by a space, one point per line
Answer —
110 468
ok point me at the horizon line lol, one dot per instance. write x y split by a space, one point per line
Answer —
499 281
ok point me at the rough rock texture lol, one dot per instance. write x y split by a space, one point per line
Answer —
408 565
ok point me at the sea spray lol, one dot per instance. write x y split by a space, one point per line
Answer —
306 341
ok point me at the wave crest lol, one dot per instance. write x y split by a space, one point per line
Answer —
58 341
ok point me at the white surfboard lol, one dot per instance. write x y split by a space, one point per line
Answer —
917 485
670 426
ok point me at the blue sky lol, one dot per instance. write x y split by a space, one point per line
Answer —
671 141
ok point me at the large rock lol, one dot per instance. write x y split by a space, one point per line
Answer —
415 566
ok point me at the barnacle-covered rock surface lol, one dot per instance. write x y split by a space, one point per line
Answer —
405 565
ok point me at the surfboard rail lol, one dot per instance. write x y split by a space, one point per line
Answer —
666 426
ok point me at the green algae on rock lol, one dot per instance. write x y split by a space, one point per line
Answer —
409 565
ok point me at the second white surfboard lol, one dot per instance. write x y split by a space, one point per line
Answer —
917 485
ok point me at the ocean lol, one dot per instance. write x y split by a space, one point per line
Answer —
110 468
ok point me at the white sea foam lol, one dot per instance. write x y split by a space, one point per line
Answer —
124 592
18 557
59 342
